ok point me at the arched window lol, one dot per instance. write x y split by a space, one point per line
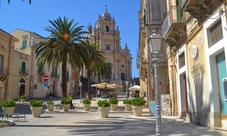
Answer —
107 28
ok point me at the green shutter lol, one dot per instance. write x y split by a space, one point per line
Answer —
55 71
67 75
24 44
41 67
1 63
23 67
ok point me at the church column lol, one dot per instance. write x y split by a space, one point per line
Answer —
130 70
117 69
114 76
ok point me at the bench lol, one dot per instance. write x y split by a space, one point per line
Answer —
14 116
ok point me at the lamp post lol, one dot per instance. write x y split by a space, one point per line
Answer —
19 85
155 45
126 84
80 84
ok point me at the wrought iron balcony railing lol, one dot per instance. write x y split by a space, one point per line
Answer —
41 71
23 70
55 75
174 16
4 71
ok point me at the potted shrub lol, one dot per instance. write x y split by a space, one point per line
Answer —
113 103
8 106
36 107
86 94
65 101
22 98
51 95
137 105
50 106
103 107
127 104
87 103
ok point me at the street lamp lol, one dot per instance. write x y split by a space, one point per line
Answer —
80 85
155 45
126 84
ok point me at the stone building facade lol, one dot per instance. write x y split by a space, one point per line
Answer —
29 75
194 37
107 34
151 17
7 43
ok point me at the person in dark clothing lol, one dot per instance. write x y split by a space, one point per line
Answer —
71 102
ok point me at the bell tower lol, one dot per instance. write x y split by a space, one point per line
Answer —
107 35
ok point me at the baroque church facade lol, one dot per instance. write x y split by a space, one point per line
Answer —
107 34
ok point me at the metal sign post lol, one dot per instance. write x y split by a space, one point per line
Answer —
45 83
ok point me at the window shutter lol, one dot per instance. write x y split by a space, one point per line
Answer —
24 45
23 67
40 67
67 75
1 63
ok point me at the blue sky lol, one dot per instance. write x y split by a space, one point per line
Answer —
34 17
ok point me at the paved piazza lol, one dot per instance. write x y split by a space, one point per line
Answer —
81 123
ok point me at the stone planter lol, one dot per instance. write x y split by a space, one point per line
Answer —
87 107
22 100
66 107
36 111
8 110
128 107
113 107
50 107
137 110
104 112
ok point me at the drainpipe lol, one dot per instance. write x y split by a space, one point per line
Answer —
9 56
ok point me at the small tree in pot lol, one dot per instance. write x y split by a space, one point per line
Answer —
103 107
8 106
22 98
36 107
127 104
50 104
137 106
65 101
113 103
87 103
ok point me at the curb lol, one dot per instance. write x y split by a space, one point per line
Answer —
8 123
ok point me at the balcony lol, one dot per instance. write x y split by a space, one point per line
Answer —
41 71
4 73
201 9
68 78
138 62
56 75
141 23
174 26
23 71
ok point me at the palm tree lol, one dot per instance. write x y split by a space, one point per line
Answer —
103 70
95 57
62 44
30 1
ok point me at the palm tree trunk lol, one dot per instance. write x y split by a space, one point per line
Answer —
89 84
64 81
